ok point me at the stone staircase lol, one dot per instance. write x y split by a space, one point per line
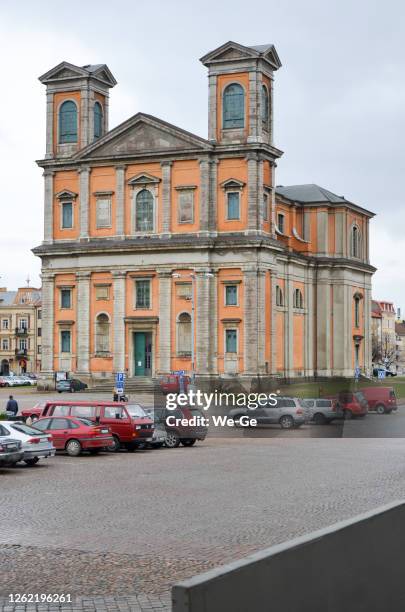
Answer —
137 384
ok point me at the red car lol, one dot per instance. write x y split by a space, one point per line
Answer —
380 399
353 404
171 383
75 435
129 424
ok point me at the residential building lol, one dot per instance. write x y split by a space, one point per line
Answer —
400 346
167 251
20 330
383 317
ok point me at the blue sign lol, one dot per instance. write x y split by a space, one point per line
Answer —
357 373
381 373
179 372
120 378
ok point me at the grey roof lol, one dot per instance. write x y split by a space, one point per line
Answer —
312 194
261 48
7 298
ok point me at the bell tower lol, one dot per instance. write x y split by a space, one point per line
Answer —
76 106
240 102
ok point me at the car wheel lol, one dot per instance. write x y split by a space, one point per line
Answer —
31 461
172 440
348 415
286 422
189 442
115 445
73 448
319 419
380 409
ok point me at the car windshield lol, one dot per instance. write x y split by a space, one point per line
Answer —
136 411
25 429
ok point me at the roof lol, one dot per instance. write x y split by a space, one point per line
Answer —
7 298
233 51
375 309
314 194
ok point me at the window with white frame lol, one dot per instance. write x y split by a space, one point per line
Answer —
185 206
231 295
22 344
144 211
65 341
281 223
231 340
23 323
5 344
66 298
67 215
142 294
5 324
103 213
232 205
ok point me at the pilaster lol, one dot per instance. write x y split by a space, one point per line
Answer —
119 339
165 286
213 196
166 196
47 322
204 194
48 206
84 187
49 124
253 107
120 200
251 320
273 322
202 321
83 322
252 191
212 107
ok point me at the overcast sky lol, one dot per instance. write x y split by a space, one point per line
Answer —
339 98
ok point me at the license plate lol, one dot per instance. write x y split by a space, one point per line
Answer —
148 439
11 447
104 431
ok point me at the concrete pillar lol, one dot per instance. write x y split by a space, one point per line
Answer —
83 322
48 206
49 125
85 117
252 191
204 194
119 339
261 321
47 322
260 192
289 327
84 186
120 200
165 287
273 323
213 199
202 322
323 335
309 325
212 107
166 196
251 320
253 107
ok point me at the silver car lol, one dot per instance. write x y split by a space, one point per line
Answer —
321 411
288 412
34 443
10 451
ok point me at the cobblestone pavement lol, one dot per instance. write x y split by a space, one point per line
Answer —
117 530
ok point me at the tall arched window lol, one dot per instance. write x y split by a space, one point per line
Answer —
298 300
102 333
98 120
144 211
279 296
68 122
184 334
355 242
265 105
233 105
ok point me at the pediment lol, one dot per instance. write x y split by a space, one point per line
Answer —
143 178
232 51
143 134
232 184
62 71
65 194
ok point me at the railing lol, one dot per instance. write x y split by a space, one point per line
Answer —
20 352
21 331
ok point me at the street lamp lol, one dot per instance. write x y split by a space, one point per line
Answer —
193 278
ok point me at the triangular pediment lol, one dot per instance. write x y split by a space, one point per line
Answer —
143 178
66 71
143 134
232 51
66 194
232 183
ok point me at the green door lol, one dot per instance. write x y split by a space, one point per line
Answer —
140 346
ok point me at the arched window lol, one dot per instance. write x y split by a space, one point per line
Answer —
357 311
144 211
265 105
98 120
279 296
298 300
184 334
233 105
68 122
102 333
355 242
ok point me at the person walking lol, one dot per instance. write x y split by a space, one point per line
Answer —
12 406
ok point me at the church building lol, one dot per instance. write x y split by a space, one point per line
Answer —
166 251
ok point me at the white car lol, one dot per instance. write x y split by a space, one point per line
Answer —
10 381
35 443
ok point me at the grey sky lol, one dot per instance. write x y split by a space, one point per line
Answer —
339 105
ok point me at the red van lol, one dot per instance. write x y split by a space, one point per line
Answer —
353 403
380 399
130 428
171 383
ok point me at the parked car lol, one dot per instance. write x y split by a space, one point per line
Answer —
387 371
171 383
76 434
71 385
129 432
288 412
353 403
159 432
380 399
322 411
28 380
35 445
10 451
10 381
3 381
186 434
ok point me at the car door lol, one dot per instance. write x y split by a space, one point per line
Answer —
117 419
59 429
268 414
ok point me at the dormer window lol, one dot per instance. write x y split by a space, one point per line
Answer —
233 106
98 120
68 122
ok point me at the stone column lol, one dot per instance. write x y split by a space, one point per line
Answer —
48 323
83 322
323 335
118 321
49 125
253 107
84 185
250 292
322 233
165 286
213 199
260 192
273 324
309 325
48 206
273 222
85 118
120 200
261 321
212 107
252 191
367 330
213 323
166 196
204 194
202 322
289 327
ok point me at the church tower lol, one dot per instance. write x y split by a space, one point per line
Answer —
77 106
240 107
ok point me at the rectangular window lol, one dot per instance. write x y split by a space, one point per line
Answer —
183 290
39 332
232 205
5 344
39 348
67 215
39 314
103 213
65 298
142 294
103 292
4 324
23 324
280 223
22 344
265 207
231 340
185 205
65 341
231 295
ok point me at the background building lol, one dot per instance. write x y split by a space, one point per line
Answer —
166 251
20 330
384 341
